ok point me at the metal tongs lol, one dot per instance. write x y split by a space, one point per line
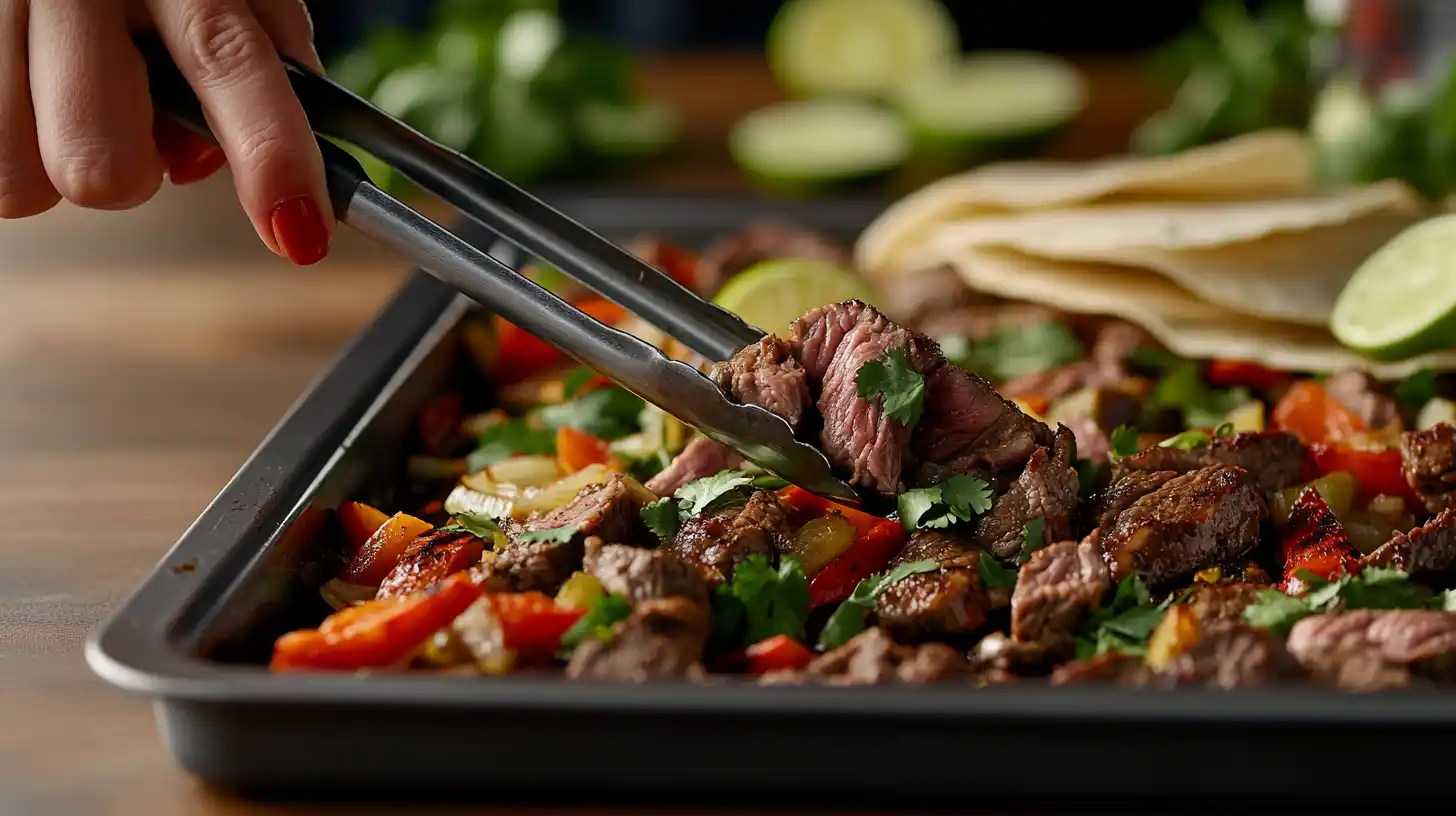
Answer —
539 230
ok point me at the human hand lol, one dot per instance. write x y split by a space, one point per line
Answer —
77 123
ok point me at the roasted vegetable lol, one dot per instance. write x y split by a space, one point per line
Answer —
1314 544
382 550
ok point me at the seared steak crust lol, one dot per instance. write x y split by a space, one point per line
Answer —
1429 464
721 539
663 638
1047 488
639 574
947 601
1428 550
610 511
1274 458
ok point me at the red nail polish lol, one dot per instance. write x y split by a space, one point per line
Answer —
190 168
299 230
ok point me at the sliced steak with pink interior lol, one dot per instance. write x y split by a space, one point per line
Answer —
767 375
1203 519
610 511
968 428
1055 589
1377 649
1428 551
874 658
1274 458
1046 488
700 459
1429 463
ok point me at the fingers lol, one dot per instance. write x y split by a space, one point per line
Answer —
230 61
24 188
92 109
291 29
189 158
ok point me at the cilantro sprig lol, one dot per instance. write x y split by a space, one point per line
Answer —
1195 438
664 516
511 437
960 498
762 601
1033 536
994 575
1122 625
596 623
557 535
606 413
900 387
1373 588
479 525
849 618
1124 441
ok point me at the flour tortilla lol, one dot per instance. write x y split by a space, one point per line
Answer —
1179 320
1267 163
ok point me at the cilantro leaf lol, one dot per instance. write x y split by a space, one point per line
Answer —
697 495
596 623
1374 588
769 482
512 437
1417 389
1188 440
1224 429
661 517
1123 625
729 616
960 498
1124 441
606 413
994 575
1154 360
849 618
1033 537
558 535
479 525
1015 351
775 602
1276 611
900 388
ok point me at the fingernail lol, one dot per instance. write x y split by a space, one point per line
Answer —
190 168
299 230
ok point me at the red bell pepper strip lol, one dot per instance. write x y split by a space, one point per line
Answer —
430 559
575 449
812 506
1309 412
870 554
359 521
378 555
531 623
1234 373
376 634
1315 542
1377 471
521 355
777 652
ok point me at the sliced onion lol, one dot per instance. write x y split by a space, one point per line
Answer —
342 594
525 471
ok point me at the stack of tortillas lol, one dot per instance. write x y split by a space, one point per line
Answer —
1222 251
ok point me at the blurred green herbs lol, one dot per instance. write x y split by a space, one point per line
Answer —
506 84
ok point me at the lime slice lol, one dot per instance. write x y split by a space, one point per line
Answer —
773 294
804 145
858 47
1402 300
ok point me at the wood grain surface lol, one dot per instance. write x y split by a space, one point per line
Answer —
143 355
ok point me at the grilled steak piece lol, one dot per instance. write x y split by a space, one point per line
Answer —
1113 667
430 559
762 241
947 601
767 375
1047 487
1274 458
1375 649
1428 550
662 638
1229 655
1362 395
873 658
700 459
609 510
1194 521
640 575
858 435
721 539
1054 590
1222 603
1122 494
1429 463
968 428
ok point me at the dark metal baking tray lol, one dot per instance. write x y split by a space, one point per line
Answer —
195 635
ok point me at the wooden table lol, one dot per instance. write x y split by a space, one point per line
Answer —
142 356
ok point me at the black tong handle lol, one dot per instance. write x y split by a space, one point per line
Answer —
515 215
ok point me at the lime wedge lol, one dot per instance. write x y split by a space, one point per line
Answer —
773 294
1402 300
